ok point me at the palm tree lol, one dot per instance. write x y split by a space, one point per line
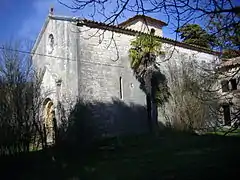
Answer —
143 53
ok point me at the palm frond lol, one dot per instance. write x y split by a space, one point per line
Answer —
143 52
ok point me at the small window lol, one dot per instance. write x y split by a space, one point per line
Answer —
233 84
225 86
120 87
152 31
51 40
50 43
227 115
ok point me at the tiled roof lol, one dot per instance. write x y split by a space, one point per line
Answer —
150 19
230 63
120 29
124 30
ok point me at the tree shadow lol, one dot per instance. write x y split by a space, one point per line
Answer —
87 123
112 141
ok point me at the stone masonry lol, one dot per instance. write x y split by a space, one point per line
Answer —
91 61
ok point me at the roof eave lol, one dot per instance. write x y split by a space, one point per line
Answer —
80 21
135 32
63 18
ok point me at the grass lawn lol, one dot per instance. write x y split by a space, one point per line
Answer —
232 133
171 156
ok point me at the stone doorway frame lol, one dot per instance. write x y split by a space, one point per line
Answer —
49 121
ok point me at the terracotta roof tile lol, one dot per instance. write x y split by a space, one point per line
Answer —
230 63
150 19
134 32
120 29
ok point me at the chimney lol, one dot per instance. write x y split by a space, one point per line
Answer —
51 11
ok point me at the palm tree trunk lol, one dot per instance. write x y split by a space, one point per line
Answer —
149 112
154 109
154 116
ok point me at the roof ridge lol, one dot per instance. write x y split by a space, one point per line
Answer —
125 30
129 20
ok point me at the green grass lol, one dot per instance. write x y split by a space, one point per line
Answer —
222 132
171 156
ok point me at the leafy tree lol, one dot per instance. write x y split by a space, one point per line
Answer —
143 54
194 34
228 36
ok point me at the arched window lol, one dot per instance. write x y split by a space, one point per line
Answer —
152 31
48 118
50 43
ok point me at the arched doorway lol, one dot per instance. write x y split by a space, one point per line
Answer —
49 118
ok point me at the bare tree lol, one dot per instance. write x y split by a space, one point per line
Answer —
177 12
194 101
20 123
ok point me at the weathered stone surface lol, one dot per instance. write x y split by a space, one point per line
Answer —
90 62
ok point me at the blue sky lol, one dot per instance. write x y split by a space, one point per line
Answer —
23 19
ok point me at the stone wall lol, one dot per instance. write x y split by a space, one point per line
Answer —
140 25
61 63
230 97
173 58
90 63
101 65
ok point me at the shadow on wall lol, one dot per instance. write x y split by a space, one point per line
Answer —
87 123
95 120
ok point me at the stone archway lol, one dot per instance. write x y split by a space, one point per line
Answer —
49 118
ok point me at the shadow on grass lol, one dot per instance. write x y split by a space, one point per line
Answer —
169 156
90 148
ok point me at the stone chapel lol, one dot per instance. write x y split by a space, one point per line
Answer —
89 59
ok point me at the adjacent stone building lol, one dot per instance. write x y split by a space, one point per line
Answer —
230 91
89 59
